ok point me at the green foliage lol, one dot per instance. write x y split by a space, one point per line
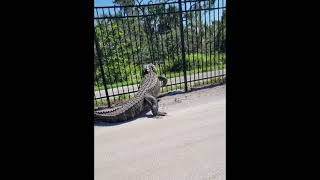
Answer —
196 61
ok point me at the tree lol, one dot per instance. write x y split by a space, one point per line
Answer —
126 10
220 38
115 51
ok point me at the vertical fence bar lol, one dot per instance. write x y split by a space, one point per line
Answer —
101 68
177 50
132 45
149 31
173 56
98 91
210 41
183 48
224 42
163 59
138 45
141 39
205 43
157 42
201 48
197 41
214 44
219 36
168 52
192 44
188 43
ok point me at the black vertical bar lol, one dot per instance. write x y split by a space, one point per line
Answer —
224 50
136 43
205 43
96 78
167 44
173 56
101 68
182 48
197 40
132 45
200 32
177 50
149 34
157 48
140 42
99 93
192 44
210 41
219 36
153 46
214 45
149 38
188 43
162 47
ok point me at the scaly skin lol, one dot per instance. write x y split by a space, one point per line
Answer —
144 101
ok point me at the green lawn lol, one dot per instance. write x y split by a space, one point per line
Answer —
173 68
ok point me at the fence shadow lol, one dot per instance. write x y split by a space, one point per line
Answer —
173 93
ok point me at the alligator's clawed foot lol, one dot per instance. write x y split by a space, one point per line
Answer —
162 113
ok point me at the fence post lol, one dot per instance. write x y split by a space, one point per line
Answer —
99 53
183 48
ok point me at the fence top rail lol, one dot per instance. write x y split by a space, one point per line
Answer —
149 4
153 14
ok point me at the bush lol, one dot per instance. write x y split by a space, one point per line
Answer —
194 61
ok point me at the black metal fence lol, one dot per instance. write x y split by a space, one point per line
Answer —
184 39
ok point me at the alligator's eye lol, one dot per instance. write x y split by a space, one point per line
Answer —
153 68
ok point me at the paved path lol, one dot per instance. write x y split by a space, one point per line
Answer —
132 88
187 144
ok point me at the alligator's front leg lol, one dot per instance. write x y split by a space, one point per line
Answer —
164 80
153 103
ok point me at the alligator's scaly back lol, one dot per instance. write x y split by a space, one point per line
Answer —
144 100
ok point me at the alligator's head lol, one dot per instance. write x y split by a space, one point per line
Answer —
148 68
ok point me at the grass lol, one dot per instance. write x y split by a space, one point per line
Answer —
173 68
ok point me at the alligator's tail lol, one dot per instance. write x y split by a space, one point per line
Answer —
108 115
129 110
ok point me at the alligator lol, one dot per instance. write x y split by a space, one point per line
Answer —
144 100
